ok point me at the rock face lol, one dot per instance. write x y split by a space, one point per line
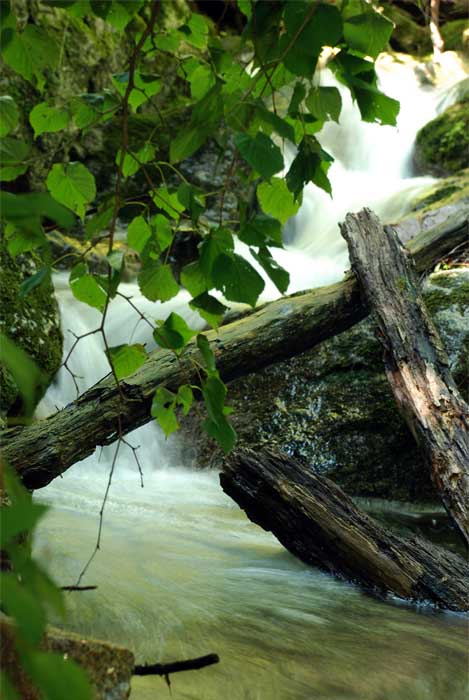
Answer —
109 667
442 145
333 406
31 322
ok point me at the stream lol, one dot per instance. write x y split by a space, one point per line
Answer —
181 571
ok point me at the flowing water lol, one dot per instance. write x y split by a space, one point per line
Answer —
181 571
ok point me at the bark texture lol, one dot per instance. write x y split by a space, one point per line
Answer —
316 521
42 451
416 364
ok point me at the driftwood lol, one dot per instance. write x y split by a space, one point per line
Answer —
176 666
42 451
316 521
416 363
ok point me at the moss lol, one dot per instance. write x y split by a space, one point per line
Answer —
32 322
442 145
408 35
453 34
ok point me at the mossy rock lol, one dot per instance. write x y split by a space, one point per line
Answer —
455 35
334 407
442 145
408 36
32 322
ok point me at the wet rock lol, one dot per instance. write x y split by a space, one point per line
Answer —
334 407
442 145
31 322
108 666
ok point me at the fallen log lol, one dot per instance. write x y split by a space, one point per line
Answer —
415 361
317 522
42 451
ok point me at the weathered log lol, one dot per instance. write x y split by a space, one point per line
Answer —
317 522
42 451
416 363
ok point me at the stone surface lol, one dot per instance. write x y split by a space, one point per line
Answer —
108 666
333 405
442 145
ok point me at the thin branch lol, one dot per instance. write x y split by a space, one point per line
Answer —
176 666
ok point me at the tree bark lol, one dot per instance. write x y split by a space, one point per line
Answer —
415 361
42 451
316 521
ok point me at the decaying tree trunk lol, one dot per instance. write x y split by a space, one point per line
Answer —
42 451
316 521
415 361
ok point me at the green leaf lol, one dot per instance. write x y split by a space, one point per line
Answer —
374 105
185 398
306 38
162 231
207 355
277 274
46 119
126 359
272 122
121 13
58 677
30 283
218 241
29 379
5 684
209 308
367 32
163 409
173 334
12 154
261 153
217 425
324 103
138 234
309 165
299 94
276 199
145 87
86 287
30 52
237 279
130 165
24 240
100 221
27 210
188 141
22 605
262 231
9 115
192 199
169 202
201 81
156 282
194 279
19 518
73 186
245 7
196 31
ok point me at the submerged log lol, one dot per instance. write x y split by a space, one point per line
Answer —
281 329
316 521
416 363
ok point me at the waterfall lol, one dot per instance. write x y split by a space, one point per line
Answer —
181 572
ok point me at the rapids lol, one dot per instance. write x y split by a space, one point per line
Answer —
181 571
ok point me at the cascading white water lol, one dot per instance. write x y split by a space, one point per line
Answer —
181 571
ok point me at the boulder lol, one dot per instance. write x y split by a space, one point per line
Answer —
442 145
333 405
32 322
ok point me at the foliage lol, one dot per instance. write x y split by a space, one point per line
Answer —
27 593
231 95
